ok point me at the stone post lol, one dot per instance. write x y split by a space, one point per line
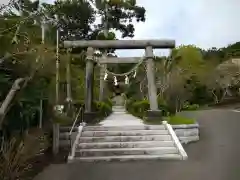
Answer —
154 112
88 114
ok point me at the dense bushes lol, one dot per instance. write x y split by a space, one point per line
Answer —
102 110
139 108
190 107
16 153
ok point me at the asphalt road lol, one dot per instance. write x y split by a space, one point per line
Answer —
215 157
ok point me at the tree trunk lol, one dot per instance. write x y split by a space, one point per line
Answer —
176 105
40 113
224 94
57 70
69 90
215 97
10 96
160 94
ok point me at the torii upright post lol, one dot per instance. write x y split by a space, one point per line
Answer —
154 112
148 45
89 114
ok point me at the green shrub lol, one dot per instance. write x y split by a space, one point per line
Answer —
62 119
79 103
139 108
190 107
103 109
109 102
175 120
162 105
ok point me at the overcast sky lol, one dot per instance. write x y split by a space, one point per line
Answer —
205 23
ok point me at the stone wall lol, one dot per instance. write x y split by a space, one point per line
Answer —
187 133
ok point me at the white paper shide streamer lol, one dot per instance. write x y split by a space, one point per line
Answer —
105 76
126 80
115 81
135 74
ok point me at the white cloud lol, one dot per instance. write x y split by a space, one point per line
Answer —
4 1
205 23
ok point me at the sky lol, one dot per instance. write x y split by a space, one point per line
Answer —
204 23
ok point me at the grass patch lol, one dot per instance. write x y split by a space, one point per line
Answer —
173 120
176 120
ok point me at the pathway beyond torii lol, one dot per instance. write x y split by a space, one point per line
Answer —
120 117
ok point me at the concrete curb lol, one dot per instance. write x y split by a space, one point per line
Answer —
187 133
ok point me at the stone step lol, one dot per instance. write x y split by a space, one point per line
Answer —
121 108
64 143
137 144
119 112
125 151
65 135
118 107
126 138
123 111
124 128
123 133
128 158
67 129
122 123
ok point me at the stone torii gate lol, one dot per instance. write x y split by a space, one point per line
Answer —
148 45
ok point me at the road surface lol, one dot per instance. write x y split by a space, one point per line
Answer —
215 157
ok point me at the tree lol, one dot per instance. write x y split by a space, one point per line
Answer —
165 66
177 92
21 45
189 59
221 78
121 15
175 73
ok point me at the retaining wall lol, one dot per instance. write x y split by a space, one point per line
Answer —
187 133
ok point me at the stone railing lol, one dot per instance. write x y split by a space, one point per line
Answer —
187 133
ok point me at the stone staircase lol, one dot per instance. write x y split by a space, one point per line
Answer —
118 109
64 141
122 143
122 137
